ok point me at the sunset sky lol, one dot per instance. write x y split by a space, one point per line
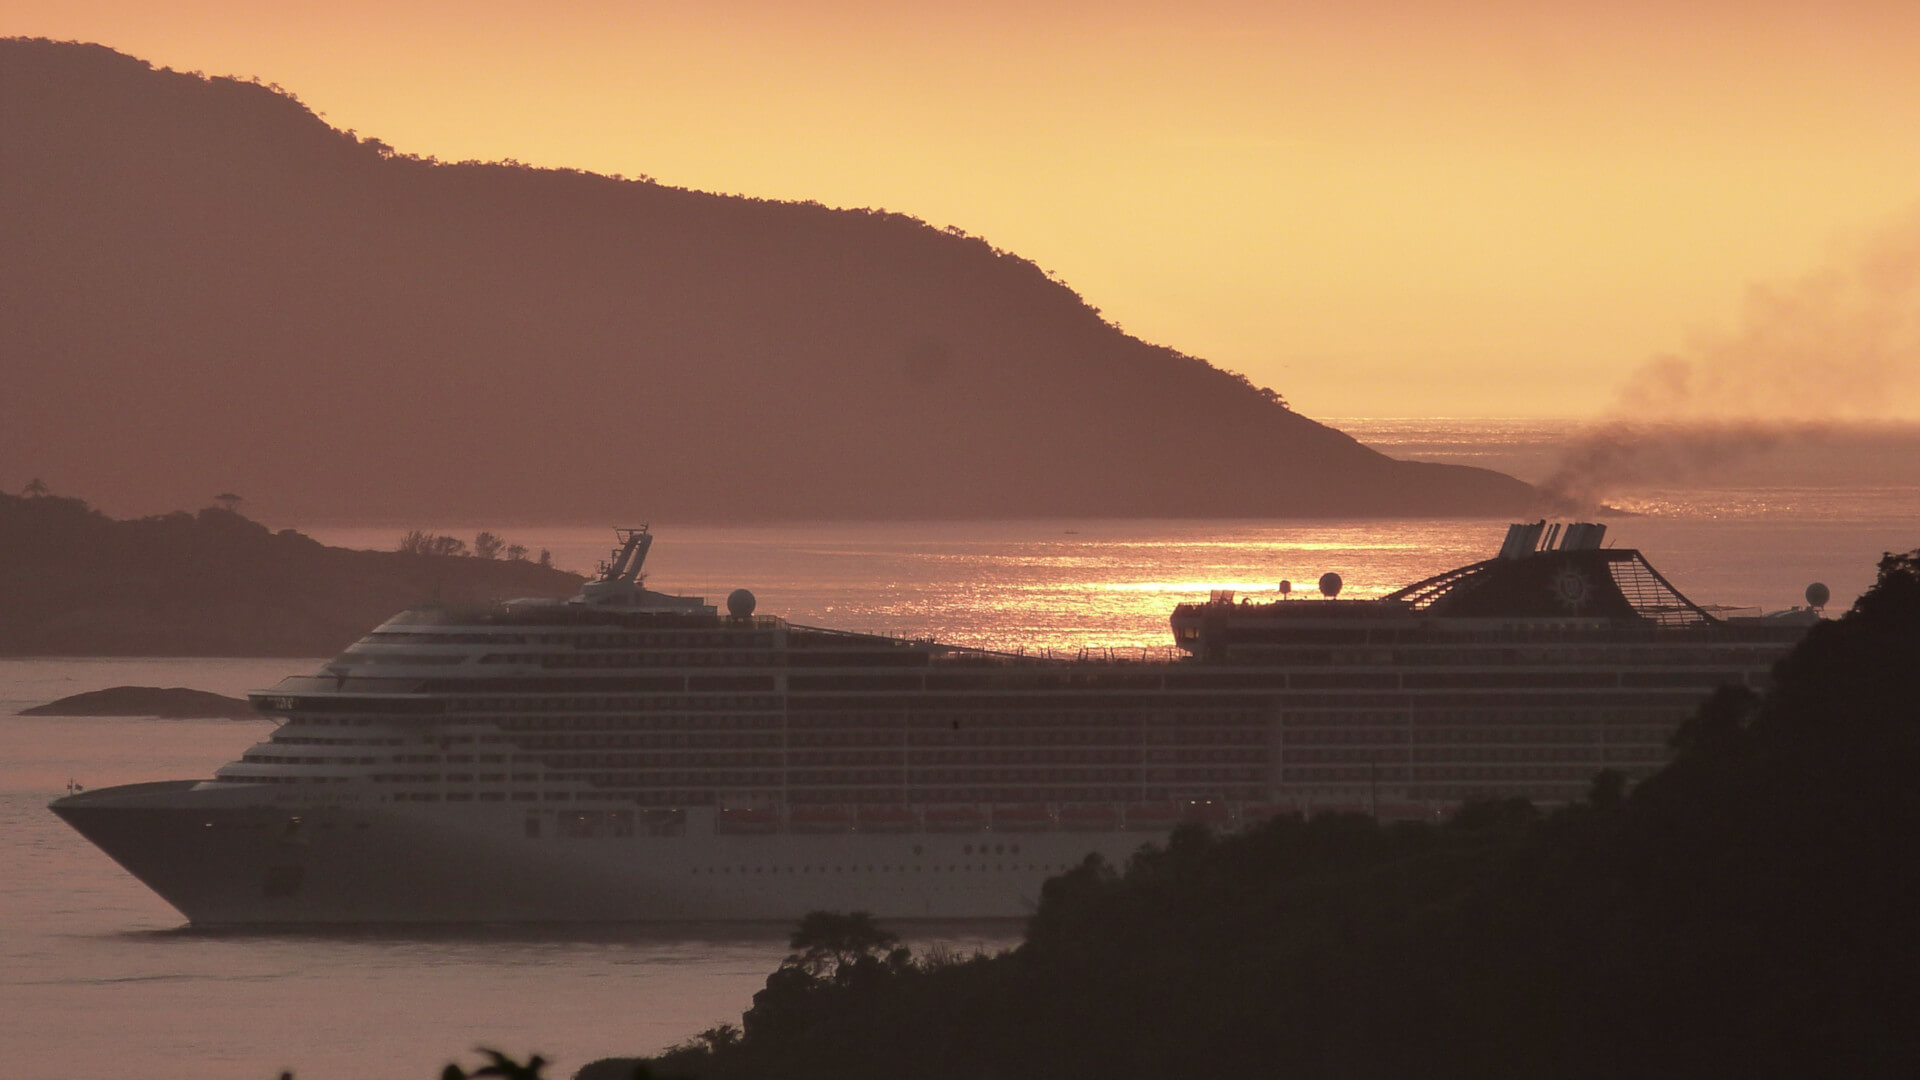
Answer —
1475 208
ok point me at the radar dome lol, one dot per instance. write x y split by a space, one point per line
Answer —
739 603
1330 584
1818 595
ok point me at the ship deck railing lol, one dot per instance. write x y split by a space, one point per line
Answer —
1003 819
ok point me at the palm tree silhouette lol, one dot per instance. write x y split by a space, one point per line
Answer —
502 1066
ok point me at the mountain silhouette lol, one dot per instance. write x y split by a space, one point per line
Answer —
206 287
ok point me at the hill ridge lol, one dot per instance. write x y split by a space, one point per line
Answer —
76 582
245 297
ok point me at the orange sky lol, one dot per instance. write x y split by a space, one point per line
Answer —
1470 208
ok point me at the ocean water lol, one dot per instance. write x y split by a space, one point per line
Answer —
98 978
1068 585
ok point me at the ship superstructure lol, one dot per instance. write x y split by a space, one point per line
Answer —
632 755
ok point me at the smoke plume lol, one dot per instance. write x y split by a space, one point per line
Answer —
1810 362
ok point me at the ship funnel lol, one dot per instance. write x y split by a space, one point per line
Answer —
1521 540
1583 536
1524 540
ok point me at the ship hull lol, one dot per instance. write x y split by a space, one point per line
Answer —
224 857
632 756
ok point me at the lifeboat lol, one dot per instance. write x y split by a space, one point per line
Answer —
1209 812
1027 818
819 819
1098 817
954 819
886 819
1321 809
748 819
668 822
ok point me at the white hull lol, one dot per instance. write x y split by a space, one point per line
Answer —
224 857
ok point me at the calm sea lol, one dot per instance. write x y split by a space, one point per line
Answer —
98 979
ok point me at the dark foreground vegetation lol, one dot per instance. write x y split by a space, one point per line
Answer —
1752 910
74 582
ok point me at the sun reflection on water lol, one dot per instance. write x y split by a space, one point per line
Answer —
1068 585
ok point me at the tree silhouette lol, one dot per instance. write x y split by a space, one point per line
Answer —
488 546
1746 910
500 1065
418 542
828 943
229 502
36 488
1609 790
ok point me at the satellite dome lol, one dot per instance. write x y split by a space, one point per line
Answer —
1818 595
739 603
1330 584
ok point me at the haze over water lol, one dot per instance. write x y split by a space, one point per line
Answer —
1751 532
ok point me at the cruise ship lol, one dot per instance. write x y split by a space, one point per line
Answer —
630 755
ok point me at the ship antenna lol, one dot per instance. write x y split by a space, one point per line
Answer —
627 561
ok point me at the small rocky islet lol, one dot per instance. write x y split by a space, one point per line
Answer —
165 703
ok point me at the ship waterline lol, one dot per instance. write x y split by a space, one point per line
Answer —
634 756
224 858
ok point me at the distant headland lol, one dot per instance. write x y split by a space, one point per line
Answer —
75 582
227 292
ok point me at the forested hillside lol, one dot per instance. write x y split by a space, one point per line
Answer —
75 582
206 287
